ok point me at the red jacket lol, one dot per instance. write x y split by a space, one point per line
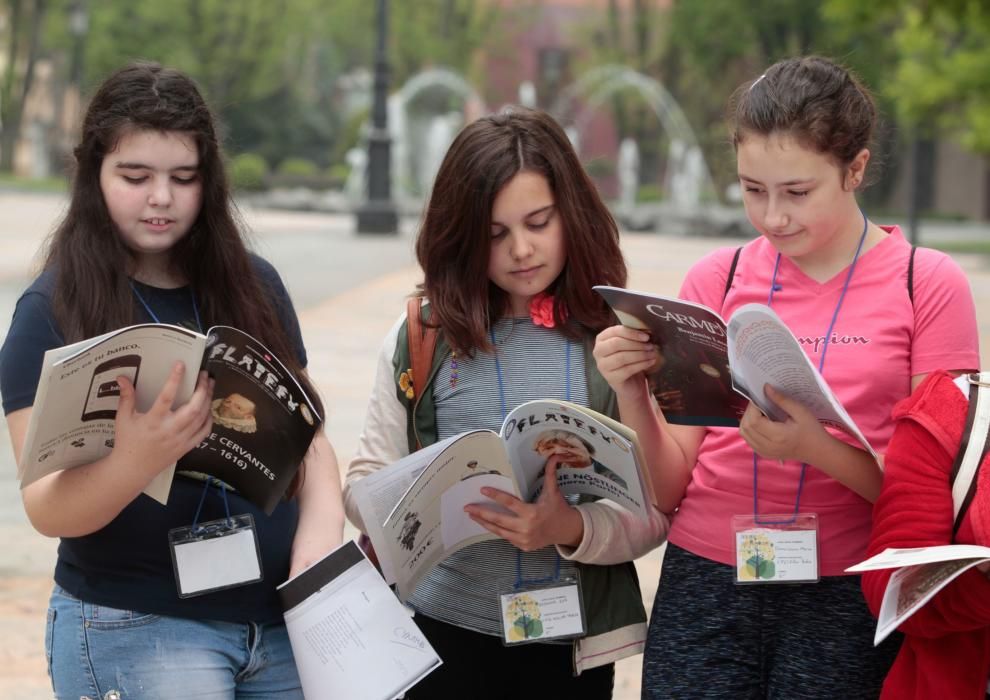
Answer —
946 649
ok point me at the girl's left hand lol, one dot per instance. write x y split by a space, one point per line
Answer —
792 439
531 526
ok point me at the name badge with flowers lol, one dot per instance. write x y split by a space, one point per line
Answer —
776 548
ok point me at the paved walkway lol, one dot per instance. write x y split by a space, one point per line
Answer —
348 291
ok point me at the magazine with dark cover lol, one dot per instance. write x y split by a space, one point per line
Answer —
350 636
263 422
711 369
413 510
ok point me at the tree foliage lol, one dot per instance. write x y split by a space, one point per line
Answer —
22 37
270 68
936 64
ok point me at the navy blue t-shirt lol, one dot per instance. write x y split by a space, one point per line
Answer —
128 564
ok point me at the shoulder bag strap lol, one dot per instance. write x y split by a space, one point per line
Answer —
972 448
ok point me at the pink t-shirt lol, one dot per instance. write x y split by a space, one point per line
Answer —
879 342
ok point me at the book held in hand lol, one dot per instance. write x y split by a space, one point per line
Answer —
350 636
710 369
921 573
263 422
413 510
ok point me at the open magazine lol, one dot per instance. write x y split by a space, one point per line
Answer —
350 636
413 510
263 422
921 573
710 368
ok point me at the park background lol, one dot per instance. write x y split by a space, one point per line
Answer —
640 85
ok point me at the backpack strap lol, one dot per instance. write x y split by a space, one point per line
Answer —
972 448
422 344
732 273
735 261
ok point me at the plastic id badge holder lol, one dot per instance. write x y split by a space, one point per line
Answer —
215 555
541 612
776 548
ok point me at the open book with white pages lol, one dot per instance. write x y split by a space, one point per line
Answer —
350 636
413 510
921 573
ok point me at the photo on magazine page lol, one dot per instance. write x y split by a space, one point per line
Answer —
591 458
263 422
73 418
692 382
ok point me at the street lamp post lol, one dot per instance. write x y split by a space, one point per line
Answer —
377 214
78 26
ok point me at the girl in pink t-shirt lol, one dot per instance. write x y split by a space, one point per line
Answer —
790 502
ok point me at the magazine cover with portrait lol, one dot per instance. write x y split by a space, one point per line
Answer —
263 422
692 382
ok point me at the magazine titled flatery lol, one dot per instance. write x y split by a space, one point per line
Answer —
263 422
921 573
710 369
413 510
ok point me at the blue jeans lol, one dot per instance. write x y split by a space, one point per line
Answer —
104 653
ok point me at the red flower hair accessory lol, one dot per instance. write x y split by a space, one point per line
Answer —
541 310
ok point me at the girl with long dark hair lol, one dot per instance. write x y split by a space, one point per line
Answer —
150 236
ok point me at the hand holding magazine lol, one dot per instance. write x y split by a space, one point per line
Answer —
413 510
921 573
710 368
263 422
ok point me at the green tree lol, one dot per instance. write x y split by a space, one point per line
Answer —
270 69
942 78
25 19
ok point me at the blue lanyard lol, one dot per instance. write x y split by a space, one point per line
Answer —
196 528
821 367
154 317
501 385
206 487
520 581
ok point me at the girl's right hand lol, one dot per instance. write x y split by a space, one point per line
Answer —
624 355
158 438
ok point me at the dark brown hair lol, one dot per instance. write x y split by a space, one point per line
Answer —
812 99
92 293
454 243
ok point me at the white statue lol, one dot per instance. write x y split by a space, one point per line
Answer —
574 137
440 133
527 94
628 171
356 184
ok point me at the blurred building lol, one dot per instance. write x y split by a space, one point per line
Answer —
549 45
953 183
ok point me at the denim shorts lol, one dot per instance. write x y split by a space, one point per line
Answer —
103 653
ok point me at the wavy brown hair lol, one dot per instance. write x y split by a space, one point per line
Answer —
821 104
454 242
92 293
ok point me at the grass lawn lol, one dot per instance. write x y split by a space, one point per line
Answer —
971 246
24 184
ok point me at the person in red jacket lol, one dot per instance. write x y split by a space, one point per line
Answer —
946 647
